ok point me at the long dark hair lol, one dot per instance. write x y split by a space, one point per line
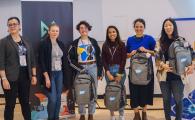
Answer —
118 38
164 40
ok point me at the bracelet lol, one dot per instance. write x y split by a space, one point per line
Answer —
4 78
34 75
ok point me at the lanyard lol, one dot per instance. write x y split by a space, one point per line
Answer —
22 48
112 53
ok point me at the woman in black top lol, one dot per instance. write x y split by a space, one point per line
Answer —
84 55
17 70
52 65
173 83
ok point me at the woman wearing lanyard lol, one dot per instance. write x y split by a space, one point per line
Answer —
85 55
51 58
17 70
141 95
114 60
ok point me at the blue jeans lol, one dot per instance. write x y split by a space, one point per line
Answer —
54 96
92 70
175 87
114 70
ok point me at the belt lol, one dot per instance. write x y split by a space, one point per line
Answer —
88 63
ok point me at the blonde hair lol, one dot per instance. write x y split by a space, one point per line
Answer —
52 25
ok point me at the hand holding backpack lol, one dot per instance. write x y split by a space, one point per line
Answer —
115 96
180 55
140 71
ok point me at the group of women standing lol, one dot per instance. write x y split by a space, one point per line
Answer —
18 68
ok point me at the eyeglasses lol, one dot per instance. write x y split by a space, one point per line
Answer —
12 25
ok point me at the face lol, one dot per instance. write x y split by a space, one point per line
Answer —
168 27
54 32
139 28
83 30
13 26
112 34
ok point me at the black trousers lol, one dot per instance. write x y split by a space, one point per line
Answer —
20 89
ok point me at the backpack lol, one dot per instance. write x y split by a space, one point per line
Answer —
115 96
84 88
180 55
140 72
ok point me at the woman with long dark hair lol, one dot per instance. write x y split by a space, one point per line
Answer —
173 84
114 60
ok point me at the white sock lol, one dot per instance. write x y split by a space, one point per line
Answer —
121 117
112 118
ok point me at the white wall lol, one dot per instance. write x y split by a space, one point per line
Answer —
8 8
91 11
124 13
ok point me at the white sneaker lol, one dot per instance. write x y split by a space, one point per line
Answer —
112 118
121 118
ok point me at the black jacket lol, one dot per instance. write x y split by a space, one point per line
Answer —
45 62
9 58
73 56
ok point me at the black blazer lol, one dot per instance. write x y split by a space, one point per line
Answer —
73 56
45 53
9 58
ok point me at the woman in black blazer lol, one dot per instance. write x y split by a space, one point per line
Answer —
52 64
17 70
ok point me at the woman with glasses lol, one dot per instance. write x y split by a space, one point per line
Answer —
17 70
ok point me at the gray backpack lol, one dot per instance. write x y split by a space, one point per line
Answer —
84 90
115 96
180 55
140 71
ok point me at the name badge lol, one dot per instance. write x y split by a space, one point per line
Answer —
58 65
23 60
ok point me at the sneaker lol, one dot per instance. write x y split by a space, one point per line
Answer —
112 118
121 118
